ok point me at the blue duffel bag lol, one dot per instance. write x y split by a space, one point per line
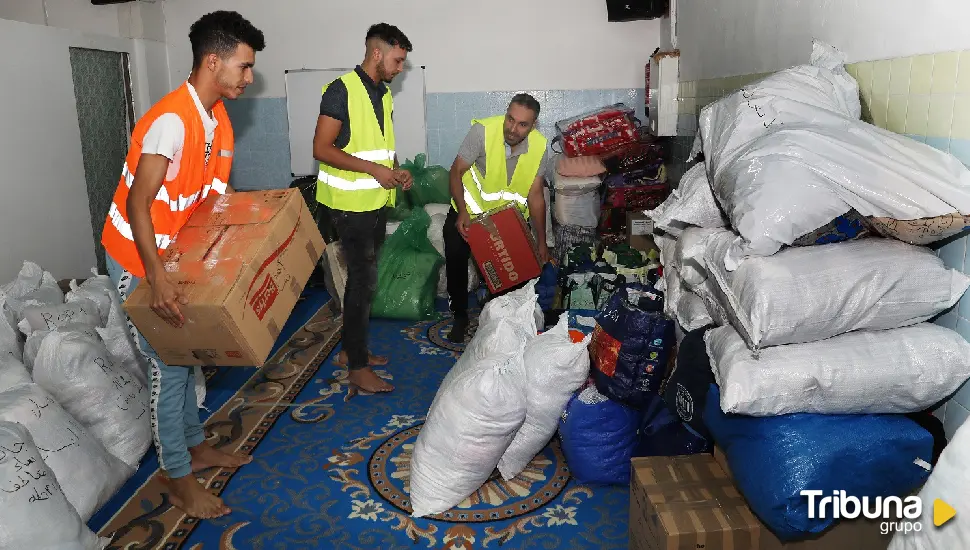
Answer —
775 458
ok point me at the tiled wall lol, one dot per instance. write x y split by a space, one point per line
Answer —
450 114
262 158
926 97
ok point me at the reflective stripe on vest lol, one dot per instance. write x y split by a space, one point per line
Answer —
377 155
498 196
123 227
181 203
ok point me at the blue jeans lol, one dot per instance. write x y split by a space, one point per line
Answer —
174 410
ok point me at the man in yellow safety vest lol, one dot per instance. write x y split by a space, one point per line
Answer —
359 173
502 160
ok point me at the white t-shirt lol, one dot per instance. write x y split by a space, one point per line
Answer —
166 136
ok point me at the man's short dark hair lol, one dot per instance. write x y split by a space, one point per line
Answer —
527 101
390 35
221 32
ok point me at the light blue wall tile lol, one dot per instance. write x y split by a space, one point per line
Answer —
963 327
921 139
963 309
948 319
943 144
960 148
956 415
962 396
940 412
954 253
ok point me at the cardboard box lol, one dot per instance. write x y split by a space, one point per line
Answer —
242 261
690 502
639 231
504 248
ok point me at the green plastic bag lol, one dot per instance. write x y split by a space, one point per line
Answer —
430 182
402 207
407 272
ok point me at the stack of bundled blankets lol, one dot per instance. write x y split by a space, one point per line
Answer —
74 408
796 253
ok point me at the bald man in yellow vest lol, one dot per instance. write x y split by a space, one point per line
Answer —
501 161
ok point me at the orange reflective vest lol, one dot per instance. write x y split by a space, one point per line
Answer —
178 197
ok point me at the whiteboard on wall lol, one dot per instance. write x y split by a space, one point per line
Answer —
303 90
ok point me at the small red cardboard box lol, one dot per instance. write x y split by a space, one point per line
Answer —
504 248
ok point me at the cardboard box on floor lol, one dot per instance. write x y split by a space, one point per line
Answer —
504 248
690 502
639 231
242 261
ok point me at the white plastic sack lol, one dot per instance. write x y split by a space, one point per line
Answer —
901 370
391 228
47 294
580 210
555 368
821 92
691 204
88 474
799 177
575 186
27 280
521 304
682 304
688 254
436 232
81 311
949 482
10 339
120 342
472 421
473 280
812 293
12 371
99 289
78 371
36 514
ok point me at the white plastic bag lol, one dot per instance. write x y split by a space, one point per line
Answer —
435 209
80 311
949 482
78 371
117 337
821 92
200 389
47 294
555 367
799 177
36 513
682 304
575 186
691 204
521 304
12 371
10 339
89 475
893 371
99 289
812 293
27 280
580 210
472 421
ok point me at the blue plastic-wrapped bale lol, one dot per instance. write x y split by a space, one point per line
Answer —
631 346
773 459
598 438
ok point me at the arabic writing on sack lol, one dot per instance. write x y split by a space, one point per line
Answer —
748 96
129 391
22 474
73 440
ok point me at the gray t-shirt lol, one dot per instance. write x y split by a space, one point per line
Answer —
472 151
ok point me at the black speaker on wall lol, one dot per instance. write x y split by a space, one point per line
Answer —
635 10
106 2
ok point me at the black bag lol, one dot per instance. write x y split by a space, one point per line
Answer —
308 188
685 390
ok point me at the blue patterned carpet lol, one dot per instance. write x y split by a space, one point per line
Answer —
330 470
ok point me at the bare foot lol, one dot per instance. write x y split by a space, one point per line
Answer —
188 495
372 360
206 456
367 380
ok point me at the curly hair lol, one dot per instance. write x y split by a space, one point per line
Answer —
221 32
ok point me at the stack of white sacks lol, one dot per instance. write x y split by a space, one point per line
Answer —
499 406
842 328
74 408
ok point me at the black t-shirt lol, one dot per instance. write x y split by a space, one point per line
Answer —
333 104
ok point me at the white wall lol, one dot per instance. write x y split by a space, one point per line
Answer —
551 44
45 217
737 37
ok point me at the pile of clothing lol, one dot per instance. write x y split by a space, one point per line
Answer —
605 168
806 347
